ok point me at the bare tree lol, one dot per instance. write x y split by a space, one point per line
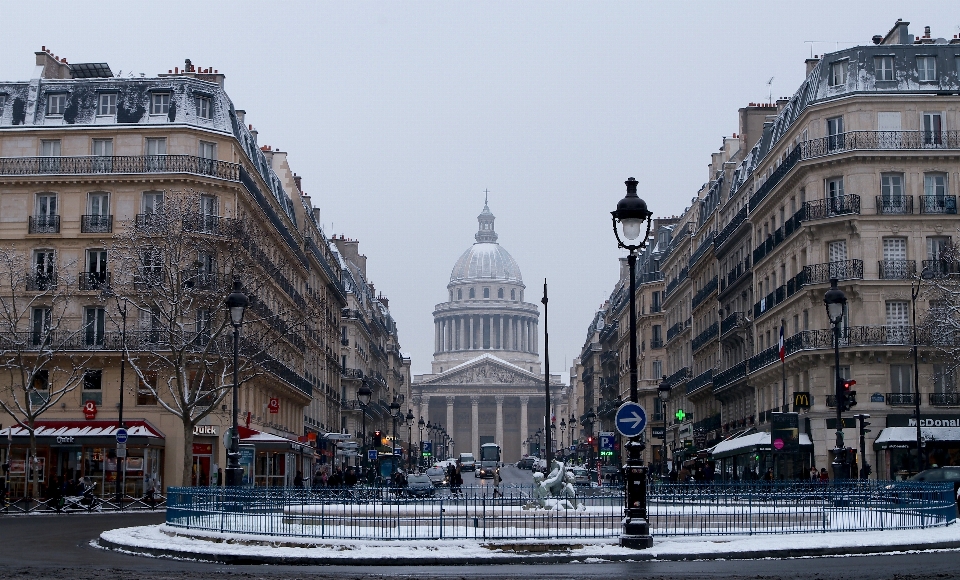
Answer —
939 327
175 268
41 354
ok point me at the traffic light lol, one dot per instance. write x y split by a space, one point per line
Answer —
680 415
377 438
590 441
849 397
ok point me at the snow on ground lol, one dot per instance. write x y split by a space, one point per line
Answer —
212 543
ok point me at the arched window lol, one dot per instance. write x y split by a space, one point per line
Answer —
459 294
500 293
451 296
472 293
486 293
513 294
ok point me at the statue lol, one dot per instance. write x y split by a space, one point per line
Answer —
554 491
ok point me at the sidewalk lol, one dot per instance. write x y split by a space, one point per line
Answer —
163 541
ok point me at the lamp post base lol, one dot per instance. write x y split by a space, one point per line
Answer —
636 529
233 476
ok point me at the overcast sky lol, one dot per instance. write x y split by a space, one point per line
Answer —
399 114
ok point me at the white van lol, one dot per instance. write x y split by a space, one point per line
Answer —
467 462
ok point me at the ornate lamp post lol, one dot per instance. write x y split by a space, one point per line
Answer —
834 299
551 439
573 421
421 425
409 422
236 303
631 212
663 392
563 429
363 398
397 415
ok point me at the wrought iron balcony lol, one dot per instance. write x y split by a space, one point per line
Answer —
895 205
711 423
41 282
733 321
702 294
730 376
96 224
674 330
678 377
897 269
656 343
348 373
700 381
728 230
94 280
44 224
842 270
701 250
940 268
94 164
945 399
830 207
671 286
704 337
900 399
938 204
779 236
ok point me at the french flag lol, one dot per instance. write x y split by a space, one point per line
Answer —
783 344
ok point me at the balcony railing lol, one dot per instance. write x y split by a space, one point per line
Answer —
733 321
730 376
704 337
674 330
212 224
940 268
938 204
348 373
38 282
678 377
843 270
44 224
900 399
701 250
702 294
735 274
671 286
895 205
880 140
897 269
656 343
96 224
728 229
944 399
700 381
93 164
830 207
94 280
779 236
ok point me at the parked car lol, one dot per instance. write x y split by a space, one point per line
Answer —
526 462
467 462
941 474
419 486
581 476
438 476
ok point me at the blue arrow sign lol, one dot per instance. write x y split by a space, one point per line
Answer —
121 435
631 419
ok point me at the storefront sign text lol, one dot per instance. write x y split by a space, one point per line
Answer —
934 423
90 410
62 439
205 430
931 420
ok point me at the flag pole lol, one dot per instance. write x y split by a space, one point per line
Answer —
783 366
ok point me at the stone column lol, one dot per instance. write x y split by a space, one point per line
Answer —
536 336
499 439
523 423
449 425
471 342
424 408
500 335
416 401
436 334
475 424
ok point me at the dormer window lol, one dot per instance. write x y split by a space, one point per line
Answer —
883 68
205 107
56 104
160 103
107 105
838 73
926 68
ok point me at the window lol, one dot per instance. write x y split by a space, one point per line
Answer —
834 188
473 294
203 324
892 199
936 246
486 293
204 107
107 104
56 104
897 321
459 294
513 294
883 68
656 336
901 377
943 379
42 325
208 213
160 103
41 381
932 129
98 204
92 379
838 73
657 369
500 293
103 147
927 68
3 101
208 150
93 328
146 387
46 205
50 148
152 202
156 146
95 275
835 133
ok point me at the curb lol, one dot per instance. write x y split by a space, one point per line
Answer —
499 558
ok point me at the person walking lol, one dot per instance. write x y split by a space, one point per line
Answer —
496 483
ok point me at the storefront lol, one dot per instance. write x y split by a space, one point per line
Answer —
896 445
276 459
70 450
748 456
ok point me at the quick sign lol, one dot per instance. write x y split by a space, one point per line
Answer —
274 406
205 430
90 410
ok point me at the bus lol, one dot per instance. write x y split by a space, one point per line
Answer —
489 460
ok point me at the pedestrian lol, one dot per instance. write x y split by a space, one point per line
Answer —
684 475
496 483
824 476
298 480
814 474
768 476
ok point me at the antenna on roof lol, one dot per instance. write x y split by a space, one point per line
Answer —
770 86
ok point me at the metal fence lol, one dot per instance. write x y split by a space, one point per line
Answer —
81 504
673 510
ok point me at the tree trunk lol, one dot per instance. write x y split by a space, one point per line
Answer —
31 463
187 479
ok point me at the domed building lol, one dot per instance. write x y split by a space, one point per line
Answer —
486 385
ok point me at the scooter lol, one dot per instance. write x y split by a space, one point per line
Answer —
86 499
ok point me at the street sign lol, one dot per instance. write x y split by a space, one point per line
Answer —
121 451
372 454
631 419
606 441
427 448
658 432
121 435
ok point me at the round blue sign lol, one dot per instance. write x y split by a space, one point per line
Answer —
631 419
121 435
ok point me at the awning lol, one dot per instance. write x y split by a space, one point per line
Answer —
891 436
270 442
67 432
759 441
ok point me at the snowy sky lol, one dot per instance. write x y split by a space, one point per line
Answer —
399 114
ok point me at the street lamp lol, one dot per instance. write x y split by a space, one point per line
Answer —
409 439
835 300
663 392
236 303
563 429
552 439
397 415
573 421
914 294
363 398
421 425
631 212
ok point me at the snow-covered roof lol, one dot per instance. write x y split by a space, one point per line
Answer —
909 434
740 444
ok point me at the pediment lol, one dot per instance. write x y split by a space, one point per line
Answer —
486 370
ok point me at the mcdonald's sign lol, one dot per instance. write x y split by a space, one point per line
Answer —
802 400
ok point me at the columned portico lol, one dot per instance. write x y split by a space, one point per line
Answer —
475 424
524 429
499 439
